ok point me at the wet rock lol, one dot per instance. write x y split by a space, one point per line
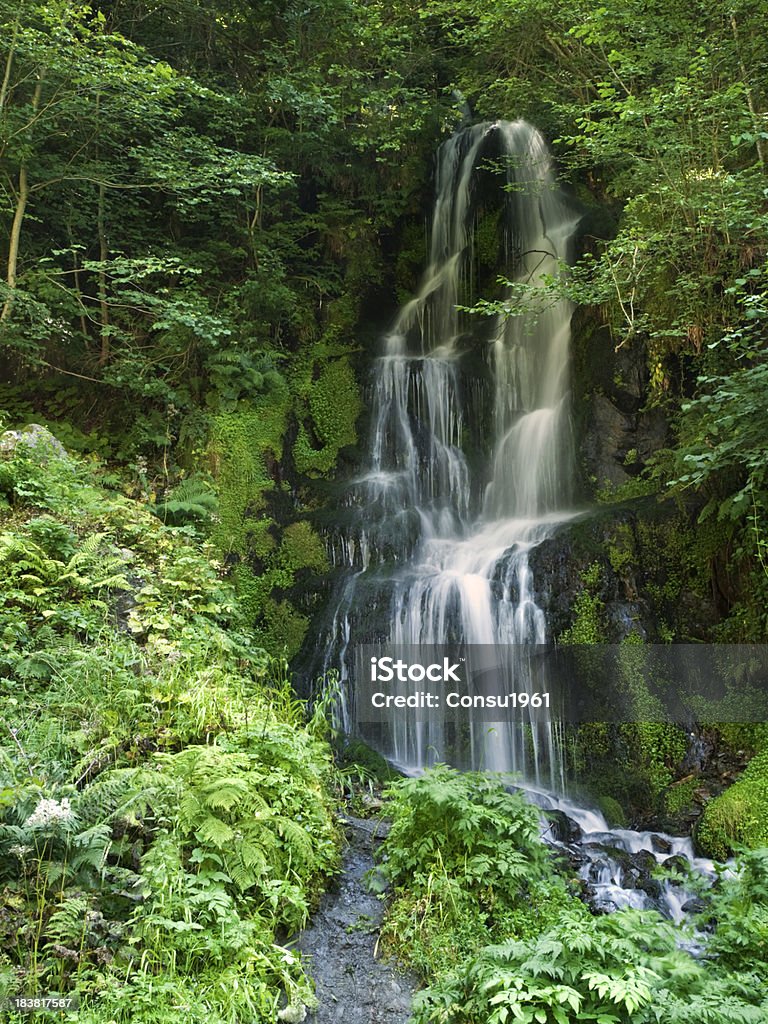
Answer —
561 828
607 442
352 984
637 872
661 844
695 906
677 863
650 886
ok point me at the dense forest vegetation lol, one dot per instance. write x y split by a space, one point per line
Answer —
208 212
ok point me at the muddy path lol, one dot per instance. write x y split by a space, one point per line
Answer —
352 985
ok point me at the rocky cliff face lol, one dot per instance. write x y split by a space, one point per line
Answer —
617 428
634 563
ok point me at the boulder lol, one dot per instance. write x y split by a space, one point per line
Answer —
38 440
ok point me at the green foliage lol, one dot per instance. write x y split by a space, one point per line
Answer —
334 406
588 626
468 823
192 500
625 968
165 813
236 815
467 864
739 911
354 756
739 816
539 955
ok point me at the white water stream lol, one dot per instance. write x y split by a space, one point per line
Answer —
449 540
468 475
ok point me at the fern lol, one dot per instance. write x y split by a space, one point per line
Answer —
214 832
121 792
466 825
227 809
191 500
66 924
91 568
626 969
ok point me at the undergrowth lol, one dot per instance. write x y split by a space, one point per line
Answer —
165 806
491 923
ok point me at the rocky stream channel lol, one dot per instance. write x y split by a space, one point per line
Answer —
618 869
352 985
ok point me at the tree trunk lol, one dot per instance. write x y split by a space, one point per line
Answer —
13 245
103 255
757 116
8 66
22 196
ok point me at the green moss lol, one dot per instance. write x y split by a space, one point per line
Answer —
245 445
267 556
613 811
678 799
739 816
588 626
355 753
241 443
333 403
636 761
621 549
282 628
488 239
657 746
634 487
302 548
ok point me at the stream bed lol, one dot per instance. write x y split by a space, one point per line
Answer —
618 869
352 985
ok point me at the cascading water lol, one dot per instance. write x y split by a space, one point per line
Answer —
470 469
441 547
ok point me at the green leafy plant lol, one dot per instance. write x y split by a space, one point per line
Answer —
625 968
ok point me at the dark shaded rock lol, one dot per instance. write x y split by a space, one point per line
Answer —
651 886
558 566
618 442
352 985
607 442
661 844
639 872
695 906
677 863
562 829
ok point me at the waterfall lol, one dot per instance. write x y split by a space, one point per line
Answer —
470 464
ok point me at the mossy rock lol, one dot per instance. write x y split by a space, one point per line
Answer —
679 798
612 811
302 548
334 404
739 816
282 628
355 752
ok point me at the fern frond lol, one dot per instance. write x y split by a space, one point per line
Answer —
299 844
215 831
67 924
191 499
224 794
